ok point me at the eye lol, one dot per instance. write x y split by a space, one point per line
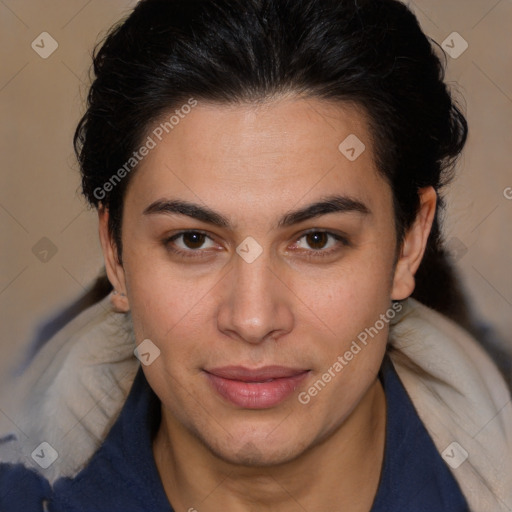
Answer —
320 243
189 242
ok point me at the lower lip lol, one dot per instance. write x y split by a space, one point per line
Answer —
256 395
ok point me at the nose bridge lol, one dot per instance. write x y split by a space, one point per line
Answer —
255 306
252 282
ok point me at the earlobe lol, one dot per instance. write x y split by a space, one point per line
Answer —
113 267
119 302
403 282
414 245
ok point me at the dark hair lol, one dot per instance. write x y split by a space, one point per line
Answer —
371 53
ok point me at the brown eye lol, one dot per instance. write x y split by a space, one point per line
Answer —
319 244
193 240
317 240
189 243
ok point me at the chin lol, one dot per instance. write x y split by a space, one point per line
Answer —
259 451
250 455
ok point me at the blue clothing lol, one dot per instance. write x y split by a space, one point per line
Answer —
414 476
122 475
22 490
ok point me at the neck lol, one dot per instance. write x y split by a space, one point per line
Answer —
343 469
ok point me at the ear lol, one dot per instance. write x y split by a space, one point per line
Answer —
413 246
115 270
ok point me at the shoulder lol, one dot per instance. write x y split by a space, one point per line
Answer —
73 390
122 474
461 398
22 489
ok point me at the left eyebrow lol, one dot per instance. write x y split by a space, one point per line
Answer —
329 204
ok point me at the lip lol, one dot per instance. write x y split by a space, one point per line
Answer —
259 388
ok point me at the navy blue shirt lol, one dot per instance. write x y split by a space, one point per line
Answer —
122 475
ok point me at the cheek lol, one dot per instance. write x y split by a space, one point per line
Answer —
351 304
352 297
171 311
350 352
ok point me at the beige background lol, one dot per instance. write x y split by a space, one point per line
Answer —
41 101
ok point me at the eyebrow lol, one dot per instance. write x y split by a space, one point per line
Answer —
329 204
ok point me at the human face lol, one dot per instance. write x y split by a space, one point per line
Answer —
299 305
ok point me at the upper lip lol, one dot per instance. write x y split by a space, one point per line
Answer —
244 374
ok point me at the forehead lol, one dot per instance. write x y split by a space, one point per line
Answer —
274 153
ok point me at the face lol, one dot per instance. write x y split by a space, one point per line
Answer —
255 255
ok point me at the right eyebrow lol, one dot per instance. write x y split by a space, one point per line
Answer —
176 206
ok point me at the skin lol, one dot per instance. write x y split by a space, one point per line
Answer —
253 164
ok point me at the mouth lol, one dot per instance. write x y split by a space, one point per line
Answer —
259 388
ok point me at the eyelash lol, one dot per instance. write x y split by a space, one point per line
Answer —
310 254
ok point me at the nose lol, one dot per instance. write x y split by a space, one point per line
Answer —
256 304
